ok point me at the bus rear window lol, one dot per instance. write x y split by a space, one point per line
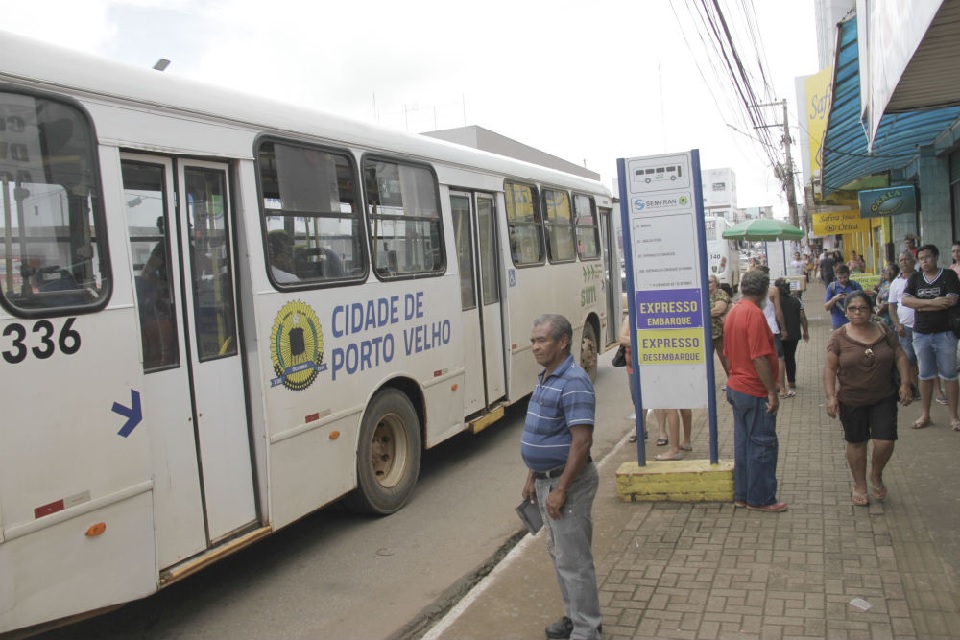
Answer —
53 257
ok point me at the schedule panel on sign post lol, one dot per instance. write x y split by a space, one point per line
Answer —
661 207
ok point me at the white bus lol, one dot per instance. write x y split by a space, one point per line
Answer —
219 313
723 255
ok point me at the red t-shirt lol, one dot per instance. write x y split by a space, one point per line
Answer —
746 336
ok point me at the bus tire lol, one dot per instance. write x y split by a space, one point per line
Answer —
588 351
388 455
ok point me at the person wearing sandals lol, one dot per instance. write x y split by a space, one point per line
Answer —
624 340
796 325
752 393
863 356
773 312
672 418
658 415
719 305
902 317
931 292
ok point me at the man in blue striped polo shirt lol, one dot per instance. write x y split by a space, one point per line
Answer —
561 476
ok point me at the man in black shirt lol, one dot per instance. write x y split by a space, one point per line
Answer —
931 292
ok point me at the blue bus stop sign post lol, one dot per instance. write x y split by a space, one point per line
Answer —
665 251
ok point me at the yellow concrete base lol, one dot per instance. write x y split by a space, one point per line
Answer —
680 481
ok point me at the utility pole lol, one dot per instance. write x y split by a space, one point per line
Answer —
785 173
788 181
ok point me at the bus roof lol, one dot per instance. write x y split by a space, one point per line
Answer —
53 68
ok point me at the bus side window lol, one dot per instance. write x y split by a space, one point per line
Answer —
559 223
310 197
403 203
54 257
523 223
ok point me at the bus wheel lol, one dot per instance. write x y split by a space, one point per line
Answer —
388 455
588 351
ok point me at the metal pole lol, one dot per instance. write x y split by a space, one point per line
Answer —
788 184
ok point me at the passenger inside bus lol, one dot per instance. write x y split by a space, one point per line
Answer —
155 303
282 265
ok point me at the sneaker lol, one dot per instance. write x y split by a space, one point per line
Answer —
632 416
560 630
941 399
776 507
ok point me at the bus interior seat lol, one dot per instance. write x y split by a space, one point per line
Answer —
317 263
55 280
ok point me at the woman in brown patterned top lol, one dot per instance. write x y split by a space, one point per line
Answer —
862 357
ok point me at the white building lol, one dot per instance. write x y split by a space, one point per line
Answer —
719 193
754 213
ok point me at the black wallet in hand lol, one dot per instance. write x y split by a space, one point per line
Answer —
529 512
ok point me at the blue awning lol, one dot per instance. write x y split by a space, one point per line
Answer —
846 153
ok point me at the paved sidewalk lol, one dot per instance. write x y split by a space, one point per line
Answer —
709 571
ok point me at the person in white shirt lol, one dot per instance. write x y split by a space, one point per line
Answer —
797 265
901 316
281 257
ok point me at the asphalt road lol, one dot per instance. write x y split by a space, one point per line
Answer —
335 574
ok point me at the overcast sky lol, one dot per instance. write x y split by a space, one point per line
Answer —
588 81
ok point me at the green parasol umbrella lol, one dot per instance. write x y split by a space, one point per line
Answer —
763 230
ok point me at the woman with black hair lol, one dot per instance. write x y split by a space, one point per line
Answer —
863 356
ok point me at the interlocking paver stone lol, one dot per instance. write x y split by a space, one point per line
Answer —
709 571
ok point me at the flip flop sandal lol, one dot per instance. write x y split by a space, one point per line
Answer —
879 491
920 423
662 442
686 447
666 457
860 499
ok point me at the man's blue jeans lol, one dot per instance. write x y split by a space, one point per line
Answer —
569 542
755 450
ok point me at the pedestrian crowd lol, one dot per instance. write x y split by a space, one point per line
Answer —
888 347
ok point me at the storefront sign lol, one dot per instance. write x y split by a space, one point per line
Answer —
847 221
891 201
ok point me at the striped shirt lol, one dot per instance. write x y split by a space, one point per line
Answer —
563 400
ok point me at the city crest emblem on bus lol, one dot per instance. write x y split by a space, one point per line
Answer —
297 352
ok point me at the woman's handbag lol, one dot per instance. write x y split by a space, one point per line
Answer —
620 357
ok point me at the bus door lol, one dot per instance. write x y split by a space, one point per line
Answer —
611 276
474 224
219 400
193 395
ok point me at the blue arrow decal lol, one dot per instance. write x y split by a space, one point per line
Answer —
133 413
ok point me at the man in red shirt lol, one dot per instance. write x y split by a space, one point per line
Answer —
752 392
